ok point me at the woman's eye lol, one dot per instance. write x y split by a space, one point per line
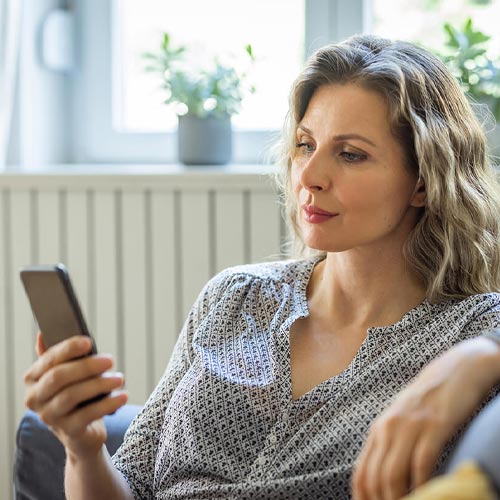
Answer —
305 147
351 157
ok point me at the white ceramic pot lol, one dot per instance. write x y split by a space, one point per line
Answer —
204 141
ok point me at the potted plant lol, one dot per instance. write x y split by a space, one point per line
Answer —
204 97
466 55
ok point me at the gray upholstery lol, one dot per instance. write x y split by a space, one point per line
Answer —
39 464
481 443
39 461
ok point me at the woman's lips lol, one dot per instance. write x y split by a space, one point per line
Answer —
316 215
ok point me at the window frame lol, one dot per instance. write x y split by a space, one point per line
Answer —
66 118
95 139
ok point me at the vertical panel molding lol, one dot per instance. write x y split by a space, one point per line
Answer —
139 249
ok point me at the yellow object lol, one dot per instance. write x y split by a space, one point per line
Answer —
466 483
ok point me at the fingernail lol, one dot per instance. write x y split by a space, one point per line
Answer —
105 356
120 394
116 375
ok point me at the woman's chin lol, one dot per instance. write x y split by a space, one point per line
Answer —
323 246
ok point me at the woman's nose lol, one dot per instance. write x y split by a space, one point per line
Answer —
314 175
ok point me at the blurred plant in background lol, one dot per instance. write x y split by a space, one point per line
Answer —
434 4
466 54
200 88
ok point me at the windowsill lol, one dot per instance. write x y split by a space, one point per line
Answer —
139 177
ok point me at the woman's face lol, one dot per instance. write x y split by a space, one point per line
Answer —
351 182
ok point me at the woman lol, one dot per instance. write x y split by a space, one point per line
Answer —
289 376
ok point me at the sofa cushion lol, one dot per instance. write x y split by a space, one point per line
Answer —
40 458
481 444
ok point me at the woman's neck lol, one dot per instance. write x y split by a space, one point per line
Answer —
348 290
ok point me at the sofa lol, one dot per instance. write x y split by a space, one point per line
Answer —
39 460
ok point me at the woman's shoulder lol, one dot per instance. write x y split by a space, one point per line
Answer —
471 314
261 282
258 289
279 271
485 309
477 304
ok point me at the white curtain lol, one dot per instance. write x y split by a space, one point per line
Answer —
10 32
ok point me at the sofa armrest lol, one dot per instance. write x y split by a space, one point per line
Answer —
40 458
481 443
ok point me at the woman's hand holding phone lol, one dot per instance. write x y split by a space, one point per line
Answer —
64 377
70 385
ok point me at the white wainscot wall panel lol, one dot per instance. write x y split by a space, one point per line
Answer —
139 248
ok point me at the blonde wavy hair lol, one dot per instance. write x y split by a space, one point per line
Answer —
455 246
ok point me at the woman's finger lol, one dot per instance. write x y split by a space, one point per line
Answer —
68 399
395 471
75 423
383 470
359 477
75 347
65 375
374 462
40 344
360 483
425 457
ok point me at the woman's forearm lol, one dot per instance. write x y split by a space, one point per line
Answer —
95 478
414 429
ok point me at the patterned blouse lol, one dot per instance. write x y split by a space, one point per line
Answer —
222 423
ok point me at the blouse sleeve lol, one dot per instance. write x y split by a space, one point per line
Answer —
485 319
135 459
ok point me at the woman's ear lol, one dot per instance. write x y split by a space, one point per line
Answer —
419 194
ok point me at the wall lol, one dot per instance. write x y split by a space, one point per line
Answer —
139 247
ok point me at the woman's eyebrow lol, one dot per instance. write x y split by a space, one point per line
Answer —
305 129
342 137
346 137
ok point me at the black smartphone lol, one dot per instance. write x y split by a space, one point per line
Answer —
54 303
55 307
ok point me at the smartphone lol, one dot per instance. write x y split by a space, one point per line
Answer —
55 307
54 303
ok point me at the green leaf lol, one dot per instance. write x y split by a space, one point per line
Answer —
249 51
166 41
474 36
479 75
477 37
452 36
471 53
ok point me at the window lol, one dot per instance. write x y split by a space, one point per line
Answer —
129 125
139 26
93 116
